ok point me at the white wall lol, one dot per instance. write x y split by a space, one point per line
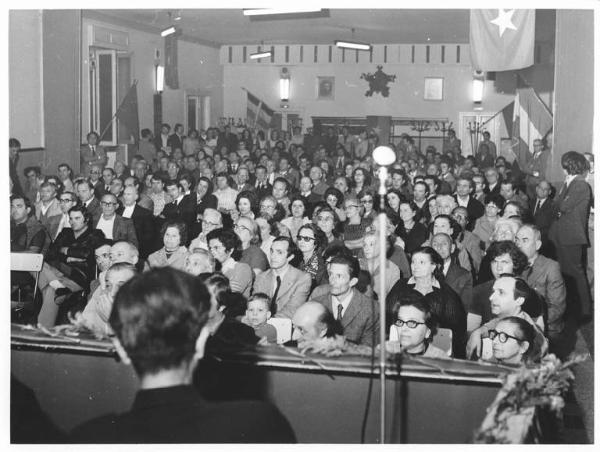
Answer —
198 66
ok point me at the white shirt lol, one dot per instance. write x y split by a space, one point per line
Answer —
344 302
446 267
106 226
569 179
461 202
44 209
128 211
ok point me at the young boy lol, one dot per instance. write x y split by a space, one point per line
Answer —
257 314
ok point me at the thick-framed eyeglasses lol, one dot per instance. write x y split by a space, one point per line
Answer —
305 238
502 336
350 206
367 201
107 204
239 226
65 200
412 324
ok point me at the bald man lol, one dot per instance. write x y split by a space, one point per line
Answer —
313 321
114 226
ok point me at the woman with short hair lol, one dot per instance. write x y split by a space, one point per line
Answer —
173 253
225 246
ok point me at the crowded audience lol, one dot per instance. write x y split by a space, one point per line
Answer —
479 252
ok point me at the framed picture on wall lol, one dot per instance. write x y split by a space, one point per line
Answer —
434 88
325 88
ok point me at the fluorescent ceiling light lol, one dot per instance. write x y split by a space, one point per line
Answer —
284 88
168 31
353 45
269 11
256 56
160 78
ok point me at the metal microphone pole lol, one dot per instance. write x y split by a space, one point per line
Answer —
382 261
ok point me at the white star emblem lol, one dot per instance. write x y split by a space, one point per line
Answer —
504 21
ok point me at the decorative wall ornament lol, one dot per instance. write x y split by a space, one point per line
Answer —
378 82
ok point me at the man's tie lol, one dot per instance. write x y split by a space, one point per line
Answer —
93 150
340 308
528 272
537 207
274 299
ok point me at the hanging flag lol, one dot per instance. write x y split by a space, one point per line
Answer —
258 114
171 73
127 113
502 39
532 120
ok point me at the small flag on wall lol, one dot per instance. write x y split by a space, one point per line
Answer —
258 114
502 39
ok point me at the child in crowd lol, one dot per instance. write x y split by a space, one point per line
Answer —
257 314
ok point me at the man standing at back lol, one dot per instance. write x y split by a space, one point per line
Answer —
164 340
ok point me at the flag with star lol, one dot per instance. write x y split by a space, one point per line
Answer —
502 39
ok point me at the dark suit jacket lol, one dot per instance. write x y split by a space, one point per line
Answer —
293 292
461 281
123 229
474 209
158 144
175 142
95 210
545 278
360 320
143 222
544 216
263 191
81 247
184 211
178 414
573 208
100 190
496 189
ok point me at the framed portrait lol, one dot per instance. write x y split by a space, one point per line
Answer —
325 88
434 88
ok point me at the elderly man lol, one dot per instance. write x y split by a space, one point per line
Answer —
313 321
211 220
319 185
114 226
143 222
543 275
445 204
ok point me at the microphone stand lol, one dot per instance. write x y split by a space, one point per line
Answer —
382 261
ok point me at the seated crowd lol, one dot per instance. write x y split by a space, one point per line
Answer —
284 231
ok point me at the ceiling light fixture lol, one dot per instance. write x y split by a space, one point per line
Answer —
270 11
258 55
353 45
168 31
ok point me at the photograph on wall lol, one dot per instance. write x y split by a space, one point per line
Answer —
325 88
434 88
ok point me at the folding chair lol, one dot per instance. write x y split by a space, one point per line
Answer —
26 262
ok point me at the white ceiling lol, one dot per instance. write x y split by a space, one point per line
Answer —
230 27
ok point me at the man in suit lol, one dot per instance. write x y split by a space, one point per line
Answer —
306 192
287 172
262 187
492 179
358 314
91 154
464 189
569 231
143 221
287 286
509 191
48 210
228 140
161 141
459 279
535 169
182 207
167 408
85 192
114 226
543 275
175 141
103 185
543 211
66 200
144 200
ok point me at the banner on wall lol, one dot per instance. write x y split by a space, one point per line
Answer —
502 39
127 113
258 114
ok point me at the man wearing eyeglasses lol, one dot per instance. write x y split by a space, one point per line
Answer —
211 220
114 226
66 201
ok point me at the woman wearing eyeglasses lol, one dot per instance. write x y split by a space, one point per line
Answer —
367 200
311 242
428 279
413 328
513 341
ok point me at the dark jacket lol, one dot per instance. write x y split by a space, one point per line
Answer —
145 231
178 414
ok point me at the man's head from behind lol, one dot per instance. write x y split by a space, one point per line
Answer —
123 251
159 318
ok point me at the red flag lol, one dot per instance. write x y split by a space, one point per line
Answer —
502 39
